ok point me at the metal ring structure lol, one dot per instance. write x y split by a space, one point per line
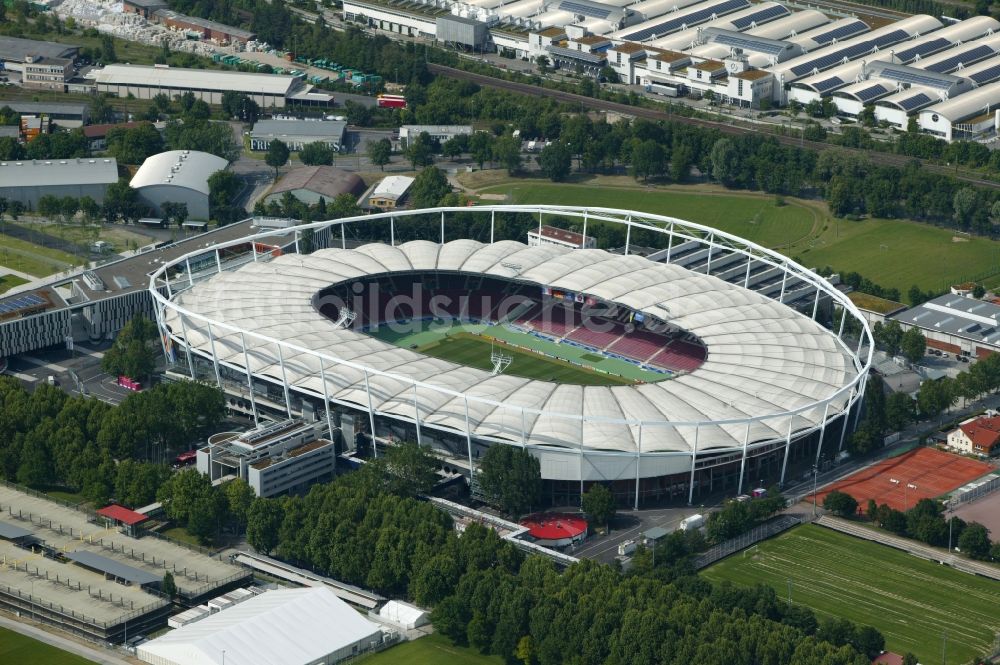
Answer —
568 460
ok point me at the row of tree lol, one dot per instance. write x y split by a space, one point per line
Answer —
926 521
48 438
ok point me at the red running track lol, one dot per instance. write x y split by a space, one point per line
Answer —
932 471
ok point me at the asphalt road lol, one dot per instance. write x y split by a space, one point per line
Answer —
77 372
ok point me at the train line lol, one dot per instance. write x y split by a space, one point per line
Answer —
881 158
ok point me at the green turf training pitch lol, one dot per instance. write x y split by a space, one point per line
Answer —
910 600
533 357
430 650
18 648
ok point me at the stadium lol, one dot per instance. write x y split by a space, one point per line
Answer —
695 363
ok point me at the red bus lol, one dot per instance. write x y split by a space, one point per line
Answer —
186 459
391 102
128 383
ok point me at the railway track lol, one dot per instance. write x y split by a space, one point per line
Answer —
881 158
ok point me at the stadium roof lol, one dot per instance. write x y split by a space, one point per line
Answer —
281 627
196 79
189 169
55 172
763 357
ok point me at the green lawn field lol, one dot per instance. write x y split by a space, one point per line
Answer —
467 349
890 252
910 600
754 217
472 345
34 259
430 650
17 648
898 253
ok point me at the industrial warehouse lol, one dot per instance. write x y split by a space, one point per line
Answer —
944 76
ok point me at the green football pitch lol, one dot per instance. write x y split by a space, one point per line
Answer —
18 648
913 602
532 357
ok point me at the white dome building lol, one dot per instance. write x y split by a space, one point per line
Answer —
179 176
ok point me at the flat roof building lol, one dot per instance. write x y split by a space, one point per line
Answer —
147 81
212 30
281 627
178 176
310 183
64 114
297 134
956 324
390 192
550 235
16 51
439 132
273 459
27 181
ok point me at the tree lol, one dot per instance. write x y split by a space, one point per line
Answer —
913 345
133 145
174 213
120 201
133 353
555 161
511 479
410 469
975 541
263 524
316 154
965 202
507 151
168 587
840 503
419 150
205 516
239 497
429 187
455 146
379 152
100 110
223 186
481 147
542 62
647 159
277 155
599 504
888 336
900 411
978 291
910 659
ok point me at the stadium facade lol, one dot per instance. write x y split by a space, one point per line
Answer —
739 360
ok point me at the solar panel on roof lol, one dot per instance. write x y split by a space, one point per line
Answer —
986 75
586 10
675 24
915 78
906 55
848 30
871 92
910 103
829 84
763 15
965 57
749 44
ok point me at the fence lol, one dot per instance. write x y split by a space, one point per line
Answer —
741 542
974 490
910 546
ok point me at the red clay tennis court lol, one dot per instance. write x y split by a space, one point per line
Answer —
924 473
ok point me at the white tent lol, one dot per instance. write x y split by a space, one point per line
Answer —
403 614
286 627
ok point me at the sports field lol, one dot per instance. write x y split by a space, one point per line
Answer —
532 357
891 252
431 650
911 601
928 472
754 217
18 648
